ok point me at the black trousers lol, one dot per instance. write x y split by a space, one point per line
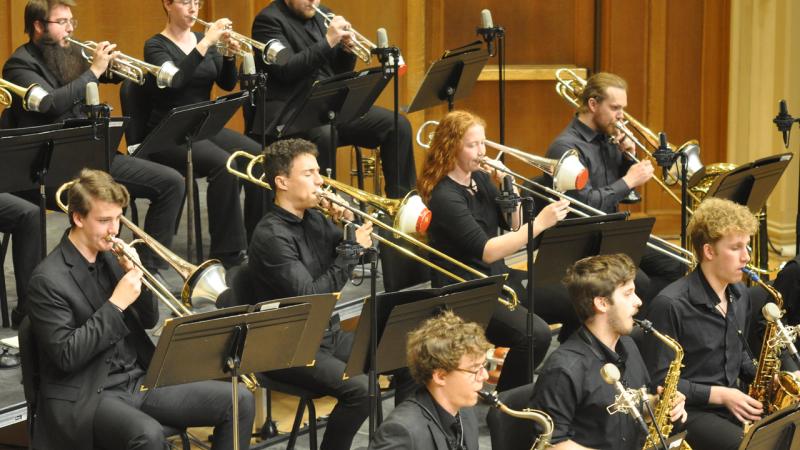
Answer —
20 218
130 419
164 188
209 158
325 377
373 130
661 270
713 429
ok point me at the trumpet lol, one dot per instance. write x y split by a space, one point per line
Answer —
564 178
269 50
129 67
34 97
362 47
331 198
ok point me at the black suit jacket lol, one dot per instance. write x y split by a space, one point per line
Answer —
302 67
75 331
414 424
25 67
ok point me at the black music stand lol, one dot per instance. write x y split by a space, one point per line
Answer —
450 78
750 185
184 125
777 431
339 99
398 313
229 342
48 156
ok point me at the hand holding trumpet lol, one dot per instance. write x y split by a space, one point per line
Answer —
339 31
104 54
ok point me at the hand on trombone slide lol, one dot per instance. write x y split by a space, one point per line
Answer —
336 211
639 173
551 215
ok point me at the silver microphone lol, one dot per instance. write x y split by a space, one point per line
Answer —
92 95
626 401
486 19
383 38
248 65
786 335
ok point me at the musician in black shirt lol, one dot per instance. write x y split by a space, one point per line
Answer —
293 252
708 313
612 174
465 220
570 388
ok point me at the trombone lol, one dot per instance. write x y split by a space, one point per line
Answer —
129 67
362 47
563 178
360 195
569 85
34 97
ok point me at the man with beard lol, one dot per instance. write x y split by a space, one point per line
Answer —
570 388
58 67
604 151
708 313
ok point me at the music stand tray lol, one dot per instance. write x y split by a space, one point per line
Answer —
401 312
751 184
774 432
450 78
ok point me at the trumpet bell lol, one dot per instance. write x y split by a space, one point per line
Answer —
165 74
694 164
207 282
569 173
413 216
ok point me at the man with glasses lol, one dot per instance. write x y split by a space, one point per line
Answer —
448 357
569 388
58 67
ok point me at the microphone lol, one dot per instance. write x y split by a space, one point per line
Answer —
627 400
785 336
349 248
383 39
663 155
784 122
487 30
92 94
508 199
92 107
248 65
386 54
248 78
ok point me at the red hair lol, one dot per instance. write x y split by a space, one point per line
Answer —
446 143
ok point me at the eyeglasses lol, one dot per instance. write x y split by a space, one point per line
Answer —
64 22
197 3
476 373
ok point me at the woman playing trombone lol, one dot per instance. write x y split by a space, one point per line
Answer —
460 192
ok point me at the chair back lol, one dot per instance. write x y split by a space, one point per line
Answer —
136 104
512 433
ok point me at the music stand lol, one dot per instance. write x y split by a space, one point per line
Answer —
184 125
399 313
776 431
215 345
450 78
48 156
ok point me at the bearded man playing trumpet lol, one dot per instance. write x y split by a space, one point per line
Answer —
460 192
88 315
602 149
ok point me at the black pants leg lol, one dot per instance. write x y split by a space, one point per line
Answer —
164 188
21 218
325 377
712 430
225 224
254 196
661 270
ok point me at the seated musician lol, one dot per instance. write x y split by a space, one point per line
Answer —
58 67
612 175
88 314
20 219
448 358
461 192
293 252
708 313
570 388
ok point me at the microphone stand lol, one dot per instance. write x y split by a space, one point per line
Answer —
684 162
489 35
371 254
390 60
528 208
784 121
653 420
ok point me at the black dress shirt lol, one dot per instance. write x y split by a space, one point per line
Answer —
289 256
604 161
714 347
463 220
195 78
571 390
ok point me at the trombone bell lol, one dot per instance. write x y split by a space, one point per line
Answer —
692 150
569 173
413 216
207 282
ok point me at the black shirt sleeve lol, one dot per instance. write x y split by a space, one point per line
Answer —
557 395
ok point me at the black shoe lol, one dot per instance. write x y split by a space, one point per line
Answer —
16 318
229 260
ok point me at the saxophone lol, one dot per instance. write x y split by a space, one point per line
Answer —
543 441
662 423
775 389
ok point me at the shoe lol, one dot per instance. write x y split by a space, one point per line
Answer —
229 260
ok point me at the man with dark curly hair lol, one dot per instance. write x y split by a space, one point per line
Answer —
448 357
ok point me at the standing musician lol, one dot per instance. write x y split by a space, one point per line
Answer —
447 357
318 52
88 316
602 149
570 388
461 196
58 67
20 219
200 67
293 253
708 313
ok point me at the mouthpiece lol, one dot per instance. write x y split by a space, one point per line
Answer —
488 397
645 325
